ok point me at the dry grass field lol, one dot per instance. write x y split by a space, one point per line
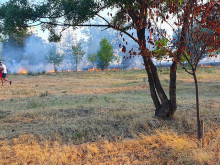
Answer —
106 118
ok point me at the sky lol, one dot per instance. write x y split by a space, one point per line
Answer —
2 1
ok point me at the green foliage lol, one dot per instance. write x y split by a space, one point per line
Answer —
92 58
161 49
20 37
17 42
16 38
118 59
184 58
54 37
54 58
77 53
105 54
17 15
79 136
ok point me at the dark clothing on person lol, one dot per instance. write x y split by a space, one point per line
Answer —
3 75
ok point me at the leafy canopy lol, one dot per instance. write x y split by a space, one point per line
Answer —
105 54
17 15
92 58
54 57
77 54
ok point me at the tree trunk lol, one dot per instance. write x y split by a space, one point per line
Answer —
197 105
164 110
172 88
76 66
55 70
161 102
177 58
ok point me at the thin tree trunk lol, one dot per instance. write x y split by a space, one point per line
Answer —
54 67
173 67
197 104
172 88
76 66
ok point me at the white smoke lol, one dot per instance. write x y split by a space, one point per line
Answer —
32 57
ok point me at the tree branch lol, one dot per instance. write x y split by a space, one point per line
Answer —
109 24
186 69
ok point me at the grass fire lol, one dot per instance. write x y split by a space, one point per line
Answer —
105 118
22 71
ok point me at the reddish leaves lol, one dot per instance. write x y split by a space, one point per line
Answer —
123 49
150 42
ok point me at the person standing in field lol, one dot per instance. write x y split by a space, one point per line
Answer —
0 72
4 72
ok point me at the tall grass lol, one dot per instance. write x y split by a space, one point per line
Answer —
105 118
160 148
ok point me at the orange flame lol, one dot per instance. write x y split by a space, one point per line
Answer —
94 69
51 71
206 66
23 71
115 69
